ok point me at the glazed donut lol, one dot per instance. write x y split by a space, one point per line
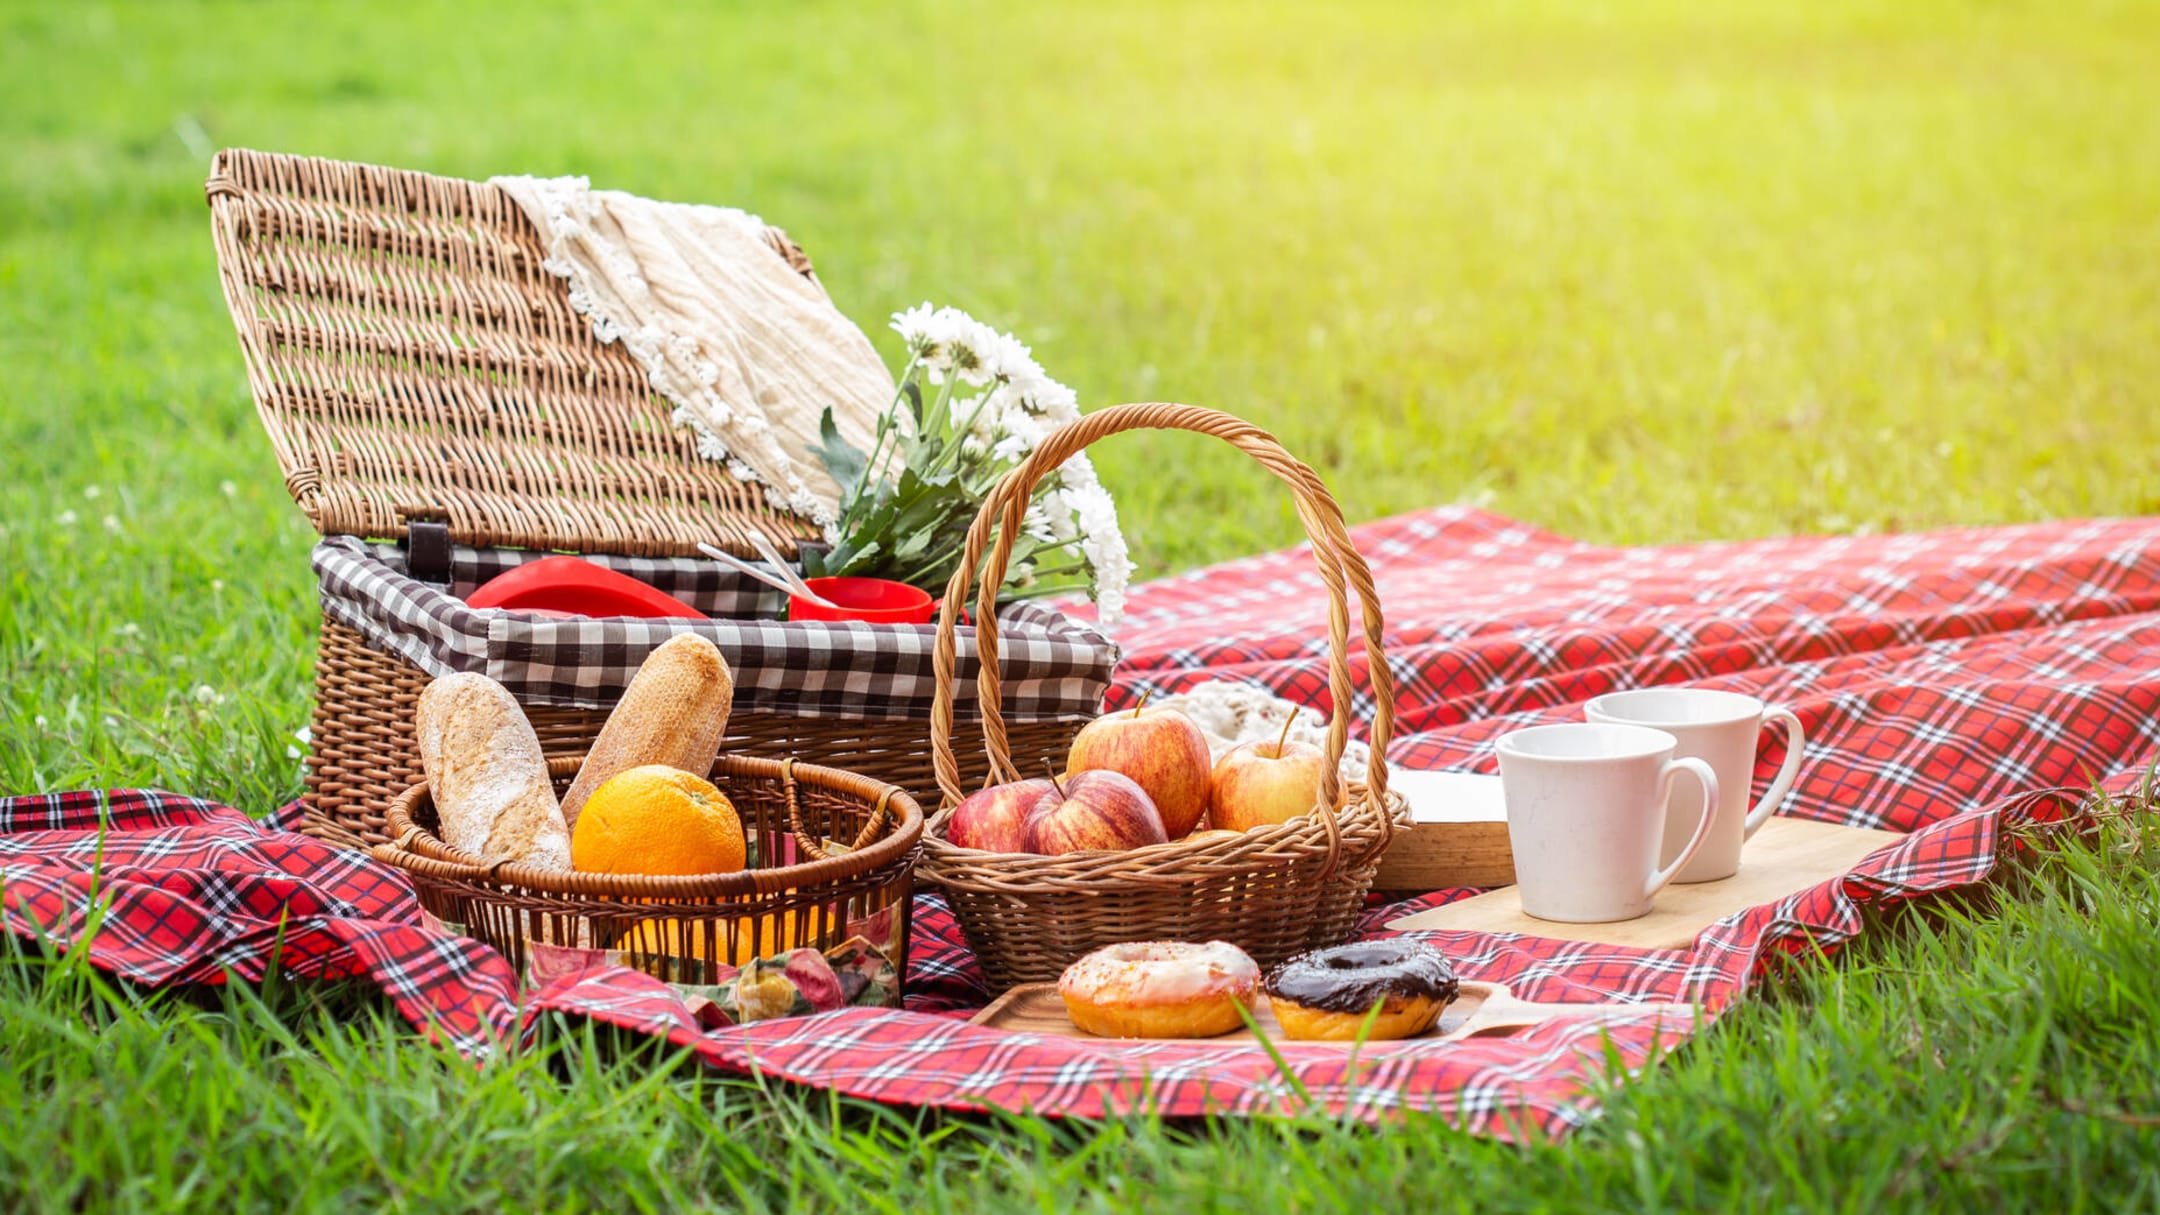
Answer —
1328 993
1160 989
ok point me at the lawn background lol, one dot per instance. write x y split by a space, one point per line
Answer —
1644 272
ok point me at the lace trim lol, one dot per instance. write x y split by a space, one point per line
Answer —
570 206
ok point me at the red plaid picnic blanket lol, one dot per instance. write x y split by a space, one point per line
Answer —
1951 684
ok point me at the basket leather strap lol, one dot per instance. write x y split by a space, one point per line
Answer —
427 551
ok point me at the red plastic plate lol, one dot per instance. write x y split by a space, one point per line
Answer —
573 586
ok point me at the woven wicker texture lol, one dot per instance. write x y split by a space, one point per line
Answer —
717 919
364 757
412 360
1274 891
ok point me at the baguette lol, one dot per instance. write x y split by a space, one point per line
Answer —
487 774
675 712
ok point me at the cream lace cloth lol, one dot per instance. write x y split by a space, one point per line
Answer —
750 351
1231 713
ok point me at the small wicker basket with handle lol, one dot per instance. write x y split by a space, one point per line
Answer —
832 851
1274 891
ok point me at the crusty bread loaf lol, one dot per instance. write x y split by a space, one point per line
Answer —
487 775
674 712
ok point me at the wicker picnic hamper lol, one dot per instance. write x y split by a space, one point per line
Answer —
1274 891
425 381
790 812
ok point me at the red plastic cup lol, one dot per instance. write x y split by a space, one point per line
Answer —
872 599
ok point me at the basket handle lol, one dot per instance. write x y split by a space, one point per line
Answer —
1334 554
872 827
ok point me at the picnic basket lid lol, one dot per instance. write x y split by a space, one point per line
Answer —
413 361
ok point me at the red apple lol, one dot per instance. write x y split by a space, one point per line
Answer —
1214 833
1257 783
1094 809
1161 749
995 819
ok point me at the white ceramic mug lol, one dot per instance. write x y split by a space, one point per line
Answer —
1723 730
1586 811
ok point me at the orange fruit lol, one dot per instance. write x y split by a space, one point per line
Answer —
680 939
657 820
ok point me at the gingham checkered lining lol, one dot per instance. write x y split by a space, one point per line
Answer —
1053 666
1924 712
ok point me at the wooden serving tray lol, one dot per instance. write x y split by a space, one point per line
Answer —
1788 855
1479 1010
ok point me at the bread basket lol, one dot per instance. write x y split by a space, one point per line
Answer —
1274 891
831 852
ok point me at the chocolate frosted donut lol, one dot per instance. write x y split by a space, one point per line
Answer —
1329 992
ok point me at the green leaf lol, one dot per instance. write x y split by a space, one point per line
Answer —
845 461
860 561
914 546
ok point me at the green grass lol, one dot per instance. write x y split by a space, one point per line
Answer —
1658 271
1988 1057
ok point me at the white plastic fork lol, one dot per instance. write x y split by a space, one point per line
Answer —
771 552
786 581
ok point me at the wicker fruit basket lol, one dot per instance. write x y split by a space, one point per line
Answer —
1274 891
789 811
424 380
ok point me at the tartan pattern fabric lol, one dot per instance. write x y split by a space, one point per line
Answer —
1053 666
177 890
1934 673
1949 682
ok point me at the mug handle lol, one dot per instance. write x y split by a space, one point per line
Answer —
1708 780
1774 796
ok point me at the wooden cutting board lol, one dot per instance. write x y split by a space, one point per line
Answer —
1786 856
1479 1009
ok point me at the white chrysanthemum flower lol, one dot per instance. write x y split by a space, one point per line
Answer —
991 431
1064 524
1078 473
967 412
913 326
982 418
967 352
1013 448
1009 359
1064 521
950 342
1037 525
1103 544
1054 401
